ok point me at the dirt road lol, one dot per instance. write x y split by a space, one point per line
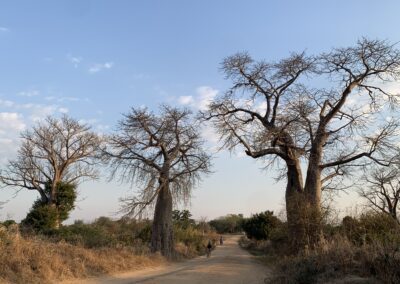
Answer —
227 264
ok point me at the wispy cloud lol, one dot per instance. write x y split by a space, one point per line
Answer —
4 30
204 96
100 67
63 110
11 124
65 99
33 110
30 93
11 121
75 60
186 100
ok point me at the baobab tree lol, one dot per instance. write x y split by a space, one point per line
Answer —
162 154
273 113
382 191
54 152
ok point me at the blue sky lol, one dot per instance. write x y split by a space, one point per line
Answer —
96 59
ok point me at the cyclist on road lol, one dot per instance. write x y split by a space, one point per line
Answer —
209 247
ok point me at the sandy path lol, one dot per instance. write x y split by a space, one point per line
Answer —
227 264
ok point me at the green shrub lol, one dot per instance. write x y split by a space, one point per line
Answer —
228 224
41 218
371 227
261 226
182 218
7 223
44 216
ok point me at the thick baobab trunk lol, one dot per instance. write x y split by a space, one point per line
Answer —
294 197
312 190
162 237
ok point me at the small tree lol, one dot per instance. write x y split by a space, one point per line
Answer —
43 216
163 155
55 152
383 190
182 218
231 223
260 226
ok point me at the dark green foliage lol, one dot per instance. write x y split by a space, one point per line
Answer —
104 232
231 223
7 223
371 227
65 201
44 216
260 226
41 217
182 218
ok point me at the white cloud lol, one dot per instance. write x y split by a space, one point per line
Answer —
204 96
11 121
39 112
74 60
11 124
63 110
31 93
64 99
209 134
186 100
100 67
6 103
4 30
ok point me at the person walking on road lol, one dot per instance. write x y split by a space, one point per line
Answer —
209 247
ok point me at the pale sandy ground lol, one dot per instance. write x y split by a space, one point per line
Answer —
227 264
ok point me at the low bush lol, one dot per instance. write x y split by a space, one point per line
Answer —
191 240
105 232
228 224
28 259
261 226
339 258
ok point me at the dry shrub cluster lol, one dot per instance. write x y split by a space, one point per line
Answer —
34 260
191 241
338 258
88 249
364 249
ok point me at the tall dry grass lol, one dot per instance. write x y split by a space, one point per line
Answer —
34 260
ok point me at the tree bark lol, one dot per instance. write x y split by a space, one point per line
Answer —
294 196
162 237
312 189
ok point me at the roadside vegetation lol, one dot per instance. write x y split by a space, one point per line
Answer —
364 247
79 250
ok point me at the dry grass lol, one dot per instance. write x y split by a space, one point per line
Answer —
31 260
338 259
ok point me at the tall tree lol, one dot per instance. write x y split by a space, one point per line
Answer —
162 154
53 152
383 190
272 112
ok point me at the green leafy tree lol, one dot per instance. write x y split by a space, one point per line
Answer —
54 152
260 226
182 218
231 223
43 216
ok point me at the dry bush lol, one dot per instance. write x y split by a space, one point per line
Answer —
337 258
31 260
191 241
363 249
